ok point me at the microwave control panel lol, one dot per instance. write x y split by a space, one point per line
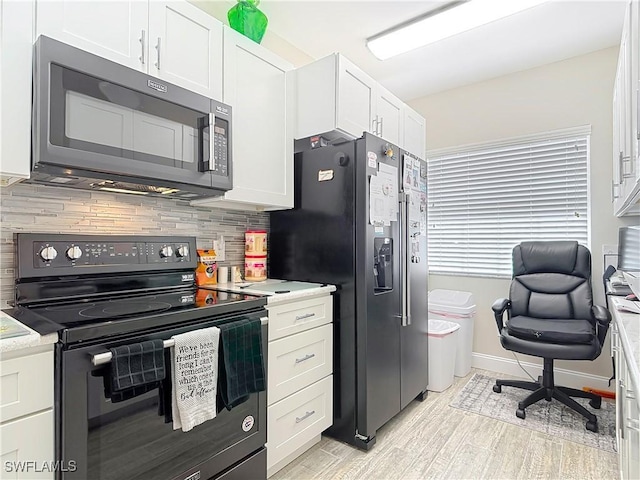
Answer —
221 147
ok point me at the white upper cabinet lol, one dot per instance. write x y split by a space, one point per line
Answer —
174 41
185 47
257 87
114 30
387 122
626 165
414 132
336 99
16 47
355 102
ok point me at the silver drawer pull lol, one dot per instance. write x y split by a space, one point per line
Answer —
306 357
306 315
305 416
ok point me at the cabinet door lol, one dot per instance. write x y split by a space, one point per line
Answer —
388 116
113 30
414 132
256 87
185 47
16 46
355 99
29 439
635 87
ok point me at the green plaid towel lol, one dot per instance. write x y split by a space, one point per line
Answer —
242 363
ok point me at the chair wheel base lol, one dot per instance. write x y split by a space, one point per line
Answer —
596 402
592 426
520 413
497 388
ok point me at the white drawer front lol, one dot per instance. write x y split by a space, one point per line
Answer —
299 360
296 317
26 385
298 419
29 439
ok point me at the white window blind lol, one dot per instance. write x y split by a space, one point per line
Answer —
484 200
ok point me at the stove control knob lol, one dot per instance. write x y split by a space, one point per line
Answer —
182 251
74 253
48 254
166 251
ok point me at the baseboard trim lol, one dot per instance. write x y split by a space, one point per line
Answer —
567 378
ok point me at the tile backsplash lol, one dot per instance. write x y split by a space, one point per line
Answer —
34 209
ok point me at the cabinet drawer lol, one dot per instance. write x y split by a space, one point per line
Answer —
26 385
299 360
299 316
298 419
19 444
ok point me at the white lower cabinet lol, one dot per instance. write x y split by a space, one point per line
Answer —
26 414
300 378
296 422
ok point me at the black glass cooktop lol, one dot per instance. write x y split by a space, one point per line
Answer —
93 319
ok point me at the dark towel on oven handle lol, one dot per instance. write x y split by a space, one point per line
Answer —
241 365
137 366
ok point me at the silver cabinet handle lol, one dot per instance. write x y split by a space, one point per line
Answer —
306 315
305 358
374 125
305 416
143 46
158 54
381 126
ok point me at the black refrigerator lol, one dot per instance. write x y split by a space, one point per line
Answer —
359 222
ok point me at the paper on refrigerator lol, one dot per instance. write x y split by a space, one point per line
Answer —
383 196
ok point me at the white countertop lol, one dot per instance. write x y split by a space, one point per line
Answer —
278 291
629 333
32 339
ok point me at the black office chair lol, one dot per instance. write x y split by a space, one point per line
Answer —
550 314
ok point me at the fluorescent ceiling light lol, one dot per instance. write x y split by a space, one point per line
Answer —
437 25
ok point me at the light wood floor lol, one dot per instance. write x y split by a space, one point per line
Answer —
430 439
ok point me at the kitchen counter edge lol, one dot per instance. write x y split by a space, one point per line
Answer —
33 339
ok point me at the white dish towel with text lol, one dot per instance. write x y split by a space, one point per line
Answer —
195 377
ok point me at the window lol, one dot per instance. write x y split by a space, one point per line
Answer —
485 199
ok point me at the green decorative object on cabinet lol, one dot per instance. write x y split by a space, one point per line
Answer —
246 18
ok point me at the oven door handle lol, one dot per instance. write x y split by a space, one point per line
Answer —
105 357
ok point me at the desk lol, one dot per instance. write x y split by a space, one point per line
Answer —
626 350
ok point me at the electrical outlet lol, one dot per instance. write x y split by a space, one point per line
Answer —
218 246
609 249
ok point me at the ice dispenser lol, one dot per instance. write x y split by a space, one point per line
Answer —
383 264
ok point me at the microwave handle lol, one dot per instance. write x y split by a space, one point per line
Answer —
209 164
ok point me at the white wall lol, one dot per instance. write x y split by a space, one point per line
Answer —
565 94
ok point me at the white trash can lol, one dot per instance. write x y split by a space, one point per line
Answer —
458 307
443 340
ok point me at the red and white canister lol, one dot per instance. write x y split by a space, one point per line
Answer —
255 242
255 268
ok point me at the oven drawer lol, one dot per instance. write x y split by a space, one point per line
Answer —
289 318
299 360
26 385
298 419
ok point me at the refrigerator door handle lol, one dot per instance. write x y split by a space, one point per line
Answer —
405 278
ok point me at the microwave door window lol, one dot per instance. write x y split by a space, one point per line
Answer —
96 116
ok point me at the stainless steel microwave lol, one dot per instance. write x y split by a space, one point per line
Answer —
98 125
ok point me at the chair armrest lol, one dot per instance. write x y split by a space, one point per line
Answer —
603 318
499 307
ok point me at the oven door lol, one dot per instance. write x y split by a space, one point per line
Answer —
94 116
100 440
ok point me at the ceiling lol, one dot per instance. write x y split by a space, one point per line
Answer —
553 31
